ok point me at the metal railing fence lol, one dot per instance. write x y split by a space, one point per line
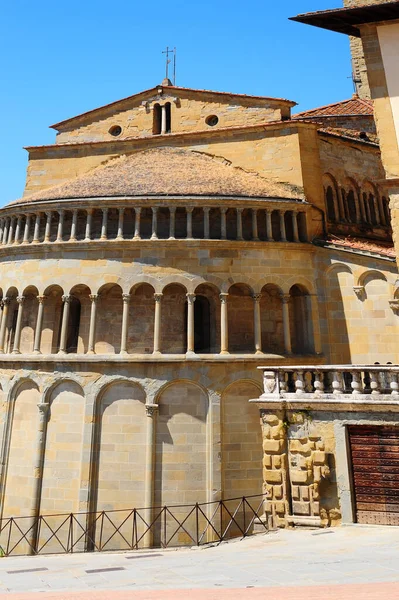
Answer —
133 529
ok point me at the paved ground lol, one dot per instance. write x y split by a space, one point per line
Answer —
357 562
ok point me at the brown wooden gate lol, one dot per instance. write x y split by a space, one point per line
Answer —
375 466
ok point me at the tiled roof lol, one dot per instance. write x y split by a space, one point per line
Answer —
355 106
168 172
364 245
352 134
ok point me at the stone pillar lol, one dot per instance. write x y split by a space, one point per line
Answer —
6 303
257 323
295 225
64 325
11 231
104 225
36 232
18 327
223 227
154 235
137 212
72 237
172 222
125 322
286 299
189 212
224 326
157 324
206 223
190 323
149 487
341 203
26 230
255 235
38 474
18 230
313 310
39 325
2 223
60 229
283 235
377 210
92 328
239 224
121 215
88 224
47 229
163 119
269 228
5 232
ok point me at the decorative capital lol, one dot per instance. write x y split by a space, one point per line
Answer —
151 410
137 210
206 209
158 298
394 304
359 291
20 299
223 210
122 210
6 301
286 298
223 298
190 298
105 211
189 209
61 212
44 408
49 214
89 212
41 299
66 298
257 297
93 297
126 298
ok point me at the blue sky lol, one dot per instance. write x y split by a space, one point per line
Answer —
61 58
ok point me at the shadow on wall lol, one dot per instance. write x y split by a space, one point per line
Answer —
337 279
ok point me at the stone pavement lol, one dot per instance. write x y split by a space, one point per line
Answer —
356 562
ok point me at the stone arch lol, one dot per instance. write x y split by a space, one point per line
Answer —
52 319
79 319
242 279
370 198
109 319
368 275
180 280
173 319
275 280
331 197
303 282
240 313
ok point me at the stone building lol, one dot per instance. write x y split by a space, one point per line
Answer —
166 246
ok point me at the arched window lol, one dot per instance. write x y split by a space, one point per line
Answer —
202 325
387 213
372 212
73 325
168 117
351 206
157 118
330 204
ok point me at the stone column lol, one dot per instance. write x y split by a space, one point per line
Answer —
286 299
190 323
38 474
295 225
137 212
92 328
121 216
283 235
60 229
26 230
64 325
223 212
157 324
255 235
36 232
239 223
5 232
18 327
39 325
154 235
104 225
11 231
257 323
163 119
72 237
18 230
125 322
381 211
149 479
269 228
341 205
88 224
189 212
2 223
6 303
172 222
224 327
206 223
47 229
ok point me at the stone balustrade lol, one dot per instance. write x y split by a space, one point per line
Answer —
126 223
330 384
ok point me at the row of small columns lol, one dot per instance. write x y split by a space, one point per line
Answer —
11 227
224 341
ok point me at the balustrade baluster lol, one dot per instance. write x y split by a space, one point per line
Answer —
318 383
356 384
299 383
282 382
337 383
393 383
375 383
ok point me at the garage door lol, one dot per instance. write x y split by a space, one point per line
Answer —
375 467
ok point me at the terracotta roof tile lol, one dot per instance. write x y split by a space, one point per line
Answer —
355 106
352 134
384 248
168 172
